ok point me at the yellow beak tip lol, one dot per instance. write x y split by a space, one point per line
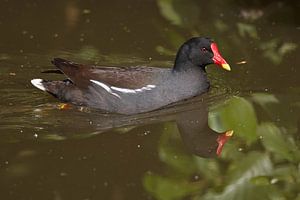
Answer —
229 133
226 67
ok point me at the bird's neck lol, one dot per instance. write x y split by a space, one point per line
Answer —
187 66
183 64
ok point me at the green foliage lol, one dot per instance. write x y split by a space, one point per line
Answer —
275 141
246 179
252 165
271 171
168 189
264 99
236 114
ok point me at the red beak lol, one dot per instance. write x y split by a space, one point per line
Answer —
222 139
218 59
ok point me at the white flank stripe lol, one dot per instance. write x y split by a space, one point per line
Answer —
146 88
38 83
106 87
151 86
122 90
126 90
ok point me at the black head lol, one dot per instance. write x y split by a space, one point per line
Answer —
199 51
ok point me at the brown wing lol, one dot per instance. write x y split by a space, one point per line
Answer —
124 77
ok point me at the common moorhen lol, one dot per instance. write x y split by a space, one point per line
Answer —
130 90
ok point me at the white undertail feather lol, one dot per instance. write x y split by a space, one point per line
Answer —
38 83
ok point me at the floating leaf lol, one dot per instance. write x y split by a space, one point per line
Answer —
236 114
264 98
209 168
274 141
168 189
252 165
246 180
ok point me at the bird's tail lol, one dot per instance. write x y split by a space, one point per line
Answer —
52 87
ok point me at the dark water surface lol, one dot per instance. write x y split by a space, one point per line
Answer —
80 153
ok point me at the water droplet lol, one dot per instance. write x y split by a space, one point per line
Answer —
86 11
146 132
274 180
63 174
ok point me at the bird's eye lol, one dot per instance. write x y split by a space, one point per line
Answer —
203 49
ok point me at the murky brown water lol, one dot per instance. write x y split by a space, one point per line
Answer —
79 153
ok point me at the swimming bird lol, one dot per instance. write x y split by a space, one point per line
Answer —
132 90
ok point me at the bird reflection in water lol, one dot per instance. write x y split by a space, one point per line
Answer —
191 117
197 136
